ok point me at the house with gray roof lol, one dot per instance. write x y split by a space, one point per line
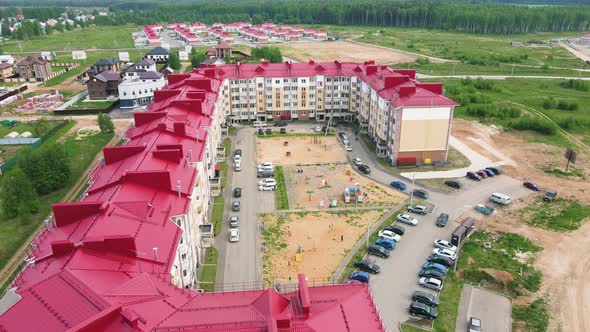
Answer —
158 54
103 85
33 67
139 90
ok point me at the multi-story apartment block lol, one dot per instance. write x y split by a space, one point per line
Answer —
124 258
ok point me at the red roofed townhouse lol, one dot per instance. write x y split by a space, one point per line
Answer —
124 258
197 27
222 36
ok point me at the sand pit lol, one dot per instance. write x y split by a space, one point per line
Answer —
338 178
325 238
302 149
345 51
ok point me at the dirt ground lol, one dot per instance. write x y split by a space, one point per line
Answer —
303 150
564 261
90 123
325 239
338 178
344 51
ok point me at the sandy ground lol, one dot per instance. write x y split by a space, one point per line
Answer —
564 261
338 177
303 149
90 123
344 51
319 234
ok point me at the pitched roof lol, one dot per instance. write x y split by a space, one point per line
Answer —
158 50
108 75
107 62
145 62
31 60
5 65
150 75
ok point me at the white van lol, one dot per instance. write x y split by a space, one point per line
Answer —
500 198
238 166
259 124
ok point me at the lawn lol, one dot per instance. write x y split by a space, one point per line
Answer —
13 232
84 104
209 273
281 198
217 214
535 316
410 328
450 297
224 164
561 215
61 78
95 37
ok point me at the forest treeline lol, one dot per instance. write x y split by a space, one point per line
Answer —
484 18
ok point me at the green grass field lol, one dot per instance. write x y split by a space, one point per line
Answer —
209 270
82 104
561 215
217 214
281 198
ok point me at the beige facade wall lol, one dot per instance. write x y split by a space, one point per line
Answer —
424 129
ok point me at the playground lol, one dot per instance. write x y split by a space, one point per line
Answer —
313 243
314 186
292 150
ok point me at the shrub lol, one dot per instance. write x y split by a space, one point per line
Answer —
535 124
105 123
493 111
549 103
575 84
422 61
564 105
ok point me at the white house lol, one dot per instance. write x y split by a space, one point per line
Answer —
5 58
48 55
188 48
78 55
124 56
139 91
139 68
183 56
158 54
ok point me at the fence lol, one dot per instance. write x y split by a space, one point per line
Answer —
14 92
12 162
20 141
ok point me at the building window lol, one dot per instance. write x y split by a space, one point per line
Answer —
183 257
184 273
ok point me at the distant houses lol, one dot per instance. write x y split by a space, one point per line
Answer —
31 67
5 58
6 70
78 55
158 54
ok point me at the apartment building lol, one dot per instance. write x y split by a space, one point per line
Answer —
138 90
408 121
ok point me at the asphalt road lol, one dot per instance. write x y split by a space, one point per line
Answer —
392 288
240 263
494 310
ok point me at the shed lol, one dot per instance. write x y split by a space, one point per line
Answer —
48 55
188 48
78 55
183 55
26 134
124 56
5 58
13 134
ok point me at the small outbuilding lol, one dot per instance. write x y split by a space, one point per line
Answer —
124 56
79 55
26 134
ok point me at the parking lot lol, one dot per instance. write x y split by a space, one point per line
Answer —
495 311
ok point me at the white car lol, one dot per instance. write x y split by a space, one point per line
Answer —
348 148
318 129
389 235
267 187
265 165
357 161
234 235
269 182
445 252
407 219
345 142
443 244
431 283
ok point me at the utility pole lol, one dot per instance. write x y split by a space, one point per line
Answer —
412 192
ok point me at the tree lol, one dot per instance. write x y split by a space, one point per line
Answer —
5 29
174 61
105 123
197 58
46 168
18 195
48 29
59 27
268 53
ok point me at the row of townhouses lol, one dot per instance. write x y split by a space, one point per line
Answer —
125 257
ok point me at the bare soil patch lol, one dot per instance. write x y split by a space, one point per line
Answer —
329 182
325 238
345 51
301 150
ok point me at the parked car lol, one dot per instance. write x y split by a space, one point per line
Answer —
258 124
260 131
357 161
419 209
281 123
237 192
445 252
473 176
270 182
482 174
550 195
238 152
364 169
431 274
283 130
435 266
531 185
365 265
235 206
446 262
474 325
317 129
267 187
359 276
397 229
423 310
444 244
268 131
233 221
488 172
238 167
426 298
495 170
265 165
342 135
234 235
421 193
348 148
407 219
389 235
379 251
265 174
483 209
431 283
500 198
442 220
453 184
398 185
386 243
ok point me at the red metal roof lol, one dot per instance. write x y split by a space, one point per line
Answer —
96 269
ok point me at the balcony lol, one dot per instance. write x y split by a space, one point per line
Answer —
381 150
215 185
220 154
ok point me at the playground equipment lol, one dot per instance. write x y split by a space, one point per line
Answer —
353 192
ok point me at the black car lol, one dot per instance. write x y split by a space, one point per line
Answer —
550 195
378 251
238 192
426 298
495 170
265 174
364 169
420 193
238 152
281 123
365 265
453 184
489 172
341 135
442 220
260 131
268 131
283 130
423 310
431 273
397 229
442 260
473 176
